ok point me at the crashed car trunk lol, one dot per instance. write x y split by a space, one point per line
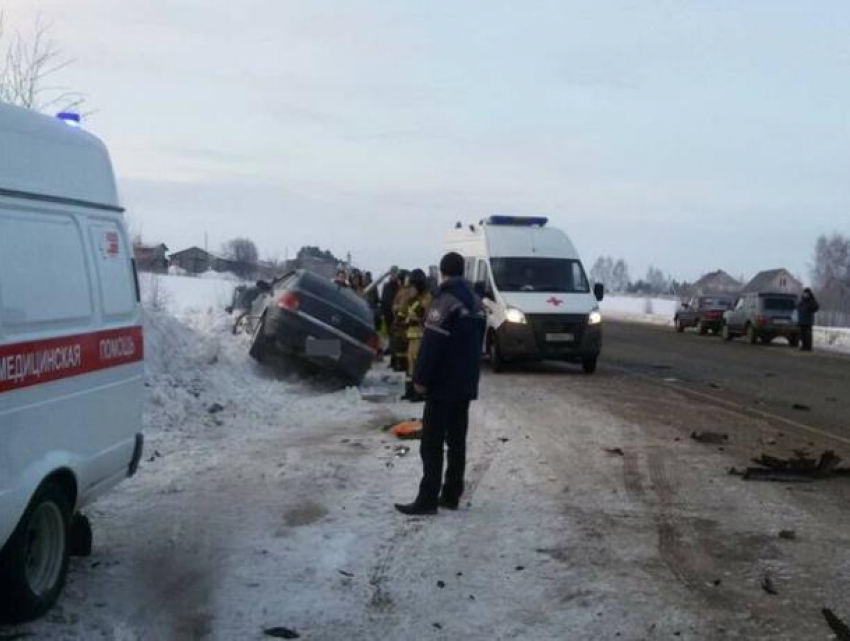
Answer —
319 323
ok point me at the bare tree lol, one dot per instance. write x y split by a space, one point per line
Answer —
243 252
27 68
831 260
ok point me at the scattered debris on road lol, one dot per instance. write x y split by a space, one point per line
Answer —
281 633
615 450
802 407
344 573
711 438
767 585
401 451
801 468
215 408
503 439
407 430
838 627
788 535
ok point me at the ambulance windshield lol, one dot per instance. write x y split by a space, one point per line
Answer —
524 274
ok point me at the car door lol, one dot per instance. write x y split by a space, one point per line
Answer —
736 316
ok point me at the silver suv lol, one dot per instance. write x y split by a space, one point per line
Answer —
763 316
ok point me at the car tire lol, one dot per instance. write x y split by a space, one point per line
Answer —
766 339
589 364
703 330
726 333
34 562
497 361
240 324
680 326
794 341
752 335
259 343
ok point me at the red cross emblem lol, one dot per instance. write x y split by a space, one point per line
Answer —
554 301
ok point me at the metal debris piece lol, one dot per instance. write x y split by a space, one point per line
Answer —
799 469
615 450
712 438
838 627
281 633
767 586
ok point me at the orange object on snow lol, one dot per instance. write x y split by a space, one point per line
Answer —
407 429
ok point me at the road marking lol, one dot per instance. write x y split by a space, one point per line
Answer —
732 405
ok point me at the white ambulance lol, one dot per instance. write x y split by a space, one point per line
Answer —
538 299
71 369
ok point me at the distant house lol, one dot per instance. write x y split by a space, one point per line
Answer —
151 258
717 282
774 280
195 260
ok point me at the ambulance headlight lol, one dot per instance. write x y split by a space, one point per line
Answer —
513 315
595 318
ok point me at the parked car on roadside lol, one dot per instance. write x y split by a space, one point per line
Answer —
763 316
703 312
318 322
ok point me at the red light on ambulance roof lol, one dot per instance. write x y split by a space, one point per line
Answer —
289 301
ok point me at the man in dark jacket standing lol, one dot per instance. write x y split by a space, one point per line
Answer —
447 373
806 310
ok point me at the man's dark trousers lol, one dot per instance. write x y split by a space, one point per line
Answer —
443 422
806 337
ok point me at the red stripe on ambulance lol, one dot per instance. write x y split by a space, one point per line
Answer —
52 359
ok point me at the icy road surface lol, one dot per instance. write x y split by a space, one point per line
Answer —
590 514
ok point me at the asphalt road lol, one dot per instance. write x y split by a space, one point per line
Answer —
811 389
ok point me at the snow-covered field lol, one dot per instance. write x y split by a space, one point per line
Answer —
660 311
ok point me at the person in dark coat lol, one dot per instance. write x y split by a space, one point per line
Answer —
388 294
806 310
447 371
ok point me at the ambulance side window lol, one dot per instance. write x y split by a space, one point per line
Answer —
114 270
43 273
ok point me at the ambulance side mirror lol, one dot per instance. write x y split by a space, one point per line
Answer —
599 291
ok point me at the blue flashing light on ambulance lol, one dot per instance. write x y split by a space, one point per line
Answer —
539 302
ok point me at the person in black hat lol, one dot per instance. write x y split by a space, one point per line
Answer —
447 372
806 310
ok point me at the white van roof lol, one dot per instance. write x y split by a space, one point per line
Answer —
43 156
518 240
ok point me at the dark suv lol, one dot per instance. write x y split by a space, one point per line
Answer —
318 322
703 312
763 316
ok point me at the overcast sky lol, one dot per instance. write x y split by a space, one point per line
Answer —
688 135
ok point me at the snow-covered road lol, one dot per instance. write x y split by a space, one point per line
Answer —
264 502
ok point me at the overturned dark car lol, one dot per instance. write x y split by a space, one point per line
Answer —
313 320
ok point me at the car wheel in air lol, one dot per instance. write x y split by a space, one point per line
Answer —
34 562
259 343
589 365
240 324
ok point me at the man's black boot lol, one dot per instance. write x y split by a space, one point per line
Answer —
448 503
416 508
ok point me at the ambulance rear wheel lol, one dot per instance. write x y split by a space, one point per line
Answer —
34 563
497 361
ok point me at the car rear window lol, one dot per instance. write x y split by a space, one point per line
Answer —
715 302
340 296
780 304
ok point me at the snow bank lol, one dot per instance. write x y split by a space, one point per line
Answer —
642 309
183 294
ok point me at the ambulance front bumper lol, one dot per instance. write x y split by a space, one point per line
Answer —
550 337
